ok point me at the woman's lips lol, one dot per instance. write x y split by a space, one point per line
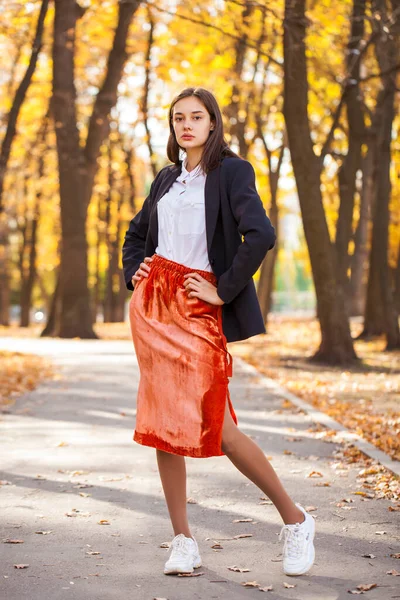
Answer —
187 137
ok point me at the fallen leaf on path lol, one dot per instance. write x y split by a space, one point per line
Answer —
393 572
44 532
191 501
190 574
322 484
364 494
12 541
267 588
250 584
217 546
288 452
5 482
396 555
362 587
93 553
242 520
103 522
368 556
289 585
238 569
314 474
242 535
311 508
164 545
21 566
380 532
75 512
84 494
394 508
62 444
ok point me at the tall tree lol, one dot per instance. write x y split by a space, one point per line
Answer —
77 166
336 342
356 134
5 152
380 285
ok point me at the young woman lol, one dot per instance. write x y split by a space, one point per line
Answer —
190 254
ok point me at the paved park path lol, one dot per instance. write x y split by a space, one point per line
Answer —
70 470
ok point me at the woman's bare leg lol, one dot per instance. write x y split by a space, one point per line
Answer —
252 462
172 469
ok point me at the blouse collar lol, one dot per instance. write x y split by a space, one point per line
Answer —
185 174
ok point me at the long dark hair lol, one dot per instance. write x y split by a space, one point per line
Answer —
216 146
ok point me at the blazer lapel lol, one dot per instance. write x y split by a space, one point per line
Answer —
211 198
162 189
212 202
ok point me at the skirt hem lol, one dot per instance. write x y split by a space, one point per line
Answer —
148 439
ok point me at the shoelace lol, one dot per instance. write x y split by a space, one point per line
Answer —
180 547
294 540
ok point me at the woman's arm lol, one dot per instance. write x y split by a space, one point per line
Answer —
135 238
253 224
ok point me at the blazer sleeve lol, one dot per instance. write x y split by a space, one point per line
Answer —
133 248
253 224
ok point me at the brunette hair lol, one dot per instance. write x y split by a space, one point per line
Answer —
216 146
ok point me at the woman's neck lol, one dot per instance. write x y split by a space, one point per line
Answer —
193 158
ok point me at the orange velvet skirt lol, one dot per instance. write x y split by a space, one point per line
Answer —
183 361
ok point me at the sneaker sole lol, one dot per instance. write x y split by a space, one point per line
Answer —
177 570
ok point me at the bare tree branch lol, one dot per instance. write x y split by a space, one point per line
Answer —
215 27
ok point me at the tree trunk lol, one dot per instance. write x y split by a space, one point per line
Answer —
4 272
108 292
77 169
75 315
55 309
29 280
336 342
238 124
356 131
144 104
381 315
266 282
359 260
397 284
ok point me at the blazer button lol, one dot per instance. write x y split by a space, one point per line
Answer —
212 261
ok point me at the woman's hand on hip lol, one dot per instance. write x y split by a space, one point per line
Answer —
198 287
143 270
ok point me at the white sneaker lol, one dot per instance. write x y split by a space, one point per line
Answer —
184 555
298 549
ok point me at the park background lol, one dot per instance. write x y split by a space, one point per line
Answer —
310 95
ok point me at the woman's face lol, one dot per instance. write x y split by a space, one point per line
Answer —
191 118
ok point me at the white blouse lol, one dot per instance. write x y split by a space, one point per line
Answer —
182 221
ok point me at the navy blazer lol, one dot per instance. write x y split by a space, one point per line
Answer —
233 209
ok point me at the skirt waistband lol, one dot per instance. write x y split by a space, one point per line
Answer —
171 265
